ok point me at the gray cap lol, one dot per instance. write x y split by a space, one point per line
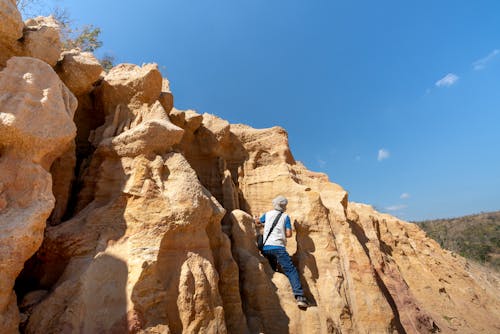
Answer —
279 203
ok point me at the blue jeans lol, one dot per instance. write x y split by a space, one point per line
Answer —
281 256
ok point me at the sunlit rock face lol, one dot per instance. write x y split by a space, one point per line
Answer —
37 37
142 223
146 250
41 39
36 112
11 30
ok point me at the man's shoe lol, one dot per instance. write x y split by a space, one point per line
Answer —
302 302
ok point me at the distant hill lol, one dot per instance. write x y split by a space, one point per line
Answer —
476 237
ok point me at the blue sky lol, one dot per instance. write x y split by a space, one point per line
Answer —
397 101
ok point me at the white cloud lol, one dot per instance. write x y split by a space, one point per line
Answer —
447 81
357 158
321 163
383 154
481 63
396 207
404 196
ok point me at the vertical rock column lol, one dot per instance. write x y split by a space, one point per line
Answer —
36 112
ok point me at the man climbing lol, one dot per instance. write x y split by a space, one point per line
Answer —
277 227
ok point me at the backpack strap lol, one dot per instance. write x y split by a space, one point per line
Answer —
272 227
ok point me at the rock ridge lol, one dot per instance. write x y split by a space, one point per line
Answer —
120 213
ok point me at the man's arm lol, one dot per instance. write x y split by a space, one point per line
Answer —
260 221
288 227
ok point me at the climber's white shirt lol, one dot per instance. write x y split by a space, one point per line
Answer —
277 239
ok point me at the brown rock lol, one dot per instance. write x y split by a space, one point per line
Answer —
147 247
265 147
166 97
148 241
35 127
130 85
362 255
150 136
430 287
189 120
41 39
167 100
38 37
178 117
79 71
193 120
215 134
12 24
261 303
326 254
33 298
132 132
62 171
37 131
145 251
11 30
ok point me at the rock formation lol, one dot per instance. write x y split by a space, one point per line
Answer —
11 30
151 227
36 112
37 37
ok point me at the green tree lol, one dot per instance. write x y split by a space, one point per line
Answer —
85 38
107 61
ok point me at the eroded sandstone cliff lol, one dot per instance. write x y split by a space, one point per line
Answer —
146 217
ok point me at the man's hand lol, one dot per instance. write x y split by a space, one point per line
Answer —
288 233
257 221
